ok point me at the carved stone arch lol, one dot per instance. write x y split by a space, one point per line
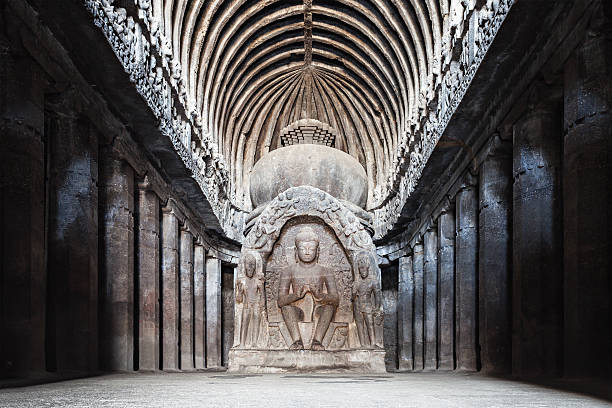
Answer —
307 201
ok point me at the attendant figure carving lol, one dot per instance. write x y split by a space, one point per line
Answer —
307 276
366 302
250 292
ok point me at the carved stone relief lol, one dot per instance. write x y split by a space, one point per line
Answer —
329 268
308 282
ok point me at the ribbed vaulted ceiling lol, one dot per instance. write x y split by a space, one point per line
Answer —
251 68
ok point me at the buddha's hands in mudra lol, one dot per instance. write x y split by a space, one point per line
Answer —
289 298
303 291
320 298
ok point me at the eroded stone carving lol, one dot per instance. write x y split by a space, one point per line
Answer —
457 74
367 304
250 293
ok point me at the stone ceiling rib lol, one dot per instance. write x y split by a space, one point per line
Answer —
372 58
386 74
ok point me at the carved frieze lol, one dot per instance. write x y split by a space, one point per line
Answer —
146 55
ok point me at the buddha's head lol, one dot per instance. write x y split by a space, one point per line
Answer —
307 245
250 264
363 265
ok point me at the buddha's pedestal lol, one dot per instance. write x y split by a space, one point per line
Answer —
305 361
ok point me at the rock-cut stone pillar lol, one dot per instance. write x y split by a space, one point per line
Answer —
446 287
186 296
72 260
587 203
538 237
495 223
418 319
405 312
199 301
22 206
430 297
171 217
213 311
117 208
466 281
148 277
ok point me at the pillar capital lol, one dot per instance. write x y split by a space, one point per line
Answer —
149 185
200 241
416 244
543 98
67 104
213 254
468 181
444 207
172 207
189 226
145 184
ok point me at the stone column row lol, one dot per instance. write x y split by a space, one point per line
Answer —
439 282
189 324
49 201
81 246
160 298
532 240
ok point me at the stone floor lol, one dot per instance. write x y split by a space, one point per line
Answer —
236 391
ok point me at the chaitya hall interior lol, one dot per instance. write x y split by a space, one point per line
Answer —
306 202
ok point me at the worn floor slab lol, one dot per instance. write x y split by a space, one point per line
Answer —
227 390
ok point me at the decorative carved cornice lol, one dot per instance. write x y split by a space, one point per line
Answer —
145 55
484 24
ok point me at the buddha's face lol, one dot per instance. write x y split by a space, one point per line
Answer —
364 268
307 251
249 266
